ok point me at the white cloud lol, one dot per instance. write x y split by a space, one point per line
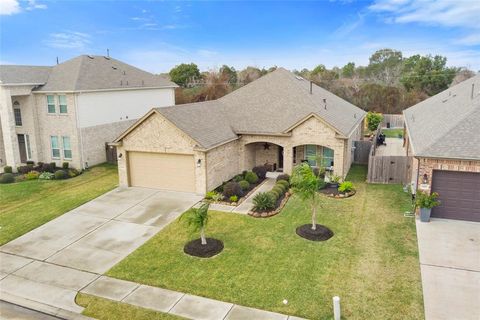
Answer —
9 7
449 13
349 27
470 40
68 40
32 5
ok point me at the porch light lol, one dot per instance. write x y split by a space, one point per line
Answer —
199 163
425 178
120 155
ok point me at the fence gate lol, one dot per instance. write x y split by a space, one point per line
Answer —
111 153
362 151
389 169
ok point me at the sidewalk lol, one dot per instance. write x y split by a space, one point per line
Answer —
176 303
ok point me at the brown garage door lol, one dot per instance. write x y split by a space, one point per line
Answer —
162 171
459 193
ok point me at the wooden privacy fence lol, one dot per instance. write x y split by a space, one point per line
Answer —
392 121
389 169
362 151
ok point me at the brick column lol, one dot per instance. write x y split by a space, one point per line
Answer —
288 159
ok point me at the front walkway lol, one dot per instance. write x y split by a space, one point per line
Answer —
176 303
450 267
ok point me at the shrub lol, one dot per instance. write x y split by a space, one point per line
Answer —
7 169
373 120
280 187
244 184
53 165
260 171
30 163
284 177
274 194
346 186
321 184
232 188
65 165
60 174
217 197
279 190
7 178
427 201
47 167
263 201
284 183
210 195
46 176
73 173
24 169
251 177
233 199
32 175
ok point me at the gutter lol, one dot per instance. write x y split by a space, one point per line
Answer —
102 90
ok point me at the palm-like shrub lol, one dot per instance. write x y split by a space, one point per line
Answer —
305 183
197 219
263 201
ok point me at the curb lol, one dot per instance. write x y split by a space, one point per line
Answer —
43 308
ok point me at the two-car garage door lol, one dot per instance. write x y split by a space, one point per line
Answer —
162 171
459 194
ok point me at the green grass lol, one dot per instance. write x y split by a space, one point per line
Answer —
104 309
27 205
392 133
371 262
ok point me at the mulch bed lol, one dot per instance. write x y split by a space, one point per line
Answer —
195 248
252 189
321 233
278 207
334 193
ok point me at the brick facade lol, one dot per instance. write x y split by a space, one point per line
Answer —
427 165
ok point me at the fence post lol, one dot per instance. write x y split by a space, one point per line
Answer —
336 308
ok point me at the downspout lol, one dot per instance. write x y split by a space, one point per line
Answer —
79 130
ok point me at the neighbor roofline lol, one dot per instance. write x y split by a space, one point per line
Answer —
405 118
446 158
104 90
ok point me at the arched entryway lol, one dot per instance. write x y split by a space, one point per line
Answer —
264 153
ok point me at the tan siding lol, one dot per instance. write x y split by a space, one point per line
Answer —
222 164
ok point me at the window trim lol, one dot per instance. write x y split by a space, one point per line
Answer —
49 104
69 149
15 116
52 148
60 105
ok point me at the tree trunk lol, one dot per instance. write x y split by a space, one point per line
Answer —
314 214
202 236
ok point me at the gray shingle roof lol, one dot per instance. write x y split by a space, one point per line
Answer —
203 121
12 74
269 105
446 125
275 102
98 72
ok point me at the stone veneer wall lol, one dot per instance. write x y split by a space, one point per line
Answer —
95 137
222 164
156 134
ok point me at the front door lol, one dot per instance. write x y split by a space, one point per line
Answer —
280 158
22 148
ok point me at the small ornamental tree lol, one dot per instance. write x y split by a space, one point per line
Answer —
305 183
197 219
373 120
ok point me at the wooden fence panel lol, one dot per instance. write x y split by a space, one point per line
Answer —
362 151
389 169
393 121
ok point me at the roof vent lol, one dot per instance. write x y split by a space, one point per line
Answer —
299 78
355 115
123 72
114 68
311 87
473 91
91 57
108 58
325 103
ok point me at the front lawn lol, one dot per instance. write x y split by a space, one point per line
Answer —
28 204
371 262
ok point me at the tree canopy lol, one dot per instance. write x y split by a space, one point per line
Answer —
183 73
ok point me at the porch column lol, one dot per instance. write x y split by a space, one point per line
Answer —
287 159
10 140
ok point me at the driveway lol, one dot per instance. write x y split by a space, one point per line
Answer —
53 262
450 268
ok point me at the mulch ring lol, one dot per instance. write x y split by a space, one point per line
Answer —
280 204
195 248
334 193
321 233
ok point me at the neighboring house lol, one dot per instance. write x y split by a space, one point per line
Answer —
67 113
442 134
279 120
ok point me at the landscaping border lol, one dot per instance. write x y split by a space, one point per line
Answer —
274 212
243 198
340 195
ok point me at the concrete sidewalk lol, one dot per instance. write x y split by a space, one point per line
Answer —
176 303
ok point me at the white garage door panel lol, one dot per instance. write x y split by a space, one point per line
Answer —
162 171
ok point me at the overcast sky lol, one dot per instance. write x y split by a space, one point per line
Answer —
157 35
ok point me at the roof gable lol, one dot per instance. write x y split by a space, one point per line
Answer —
13 74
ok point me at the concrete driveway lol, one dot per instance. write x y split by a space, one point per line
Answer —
450 268
53 262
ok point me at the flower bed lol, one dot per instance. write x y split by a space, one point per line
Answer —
345 190
279 206
42 171
268 204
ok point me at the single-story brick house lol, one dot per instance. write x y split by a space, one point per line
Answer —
442 134
279 120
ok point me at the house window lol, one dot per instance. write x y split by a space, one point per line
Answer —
55 147
17 113
62 102
327 157
51 104
27 146
311 154
67 150
294 154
